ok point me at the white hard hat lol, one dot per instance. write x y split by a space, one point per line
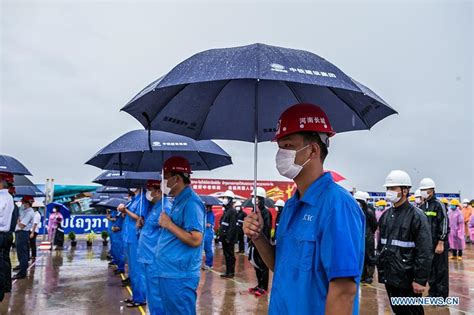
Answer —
367 196
228 194
279 203
398 178
260 192
417 193
465 201
361 195
427 183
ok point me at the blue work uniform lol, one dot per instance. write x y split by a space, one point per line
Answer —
136 271
177 264
118 245
113 238
146 254
208 238
320 237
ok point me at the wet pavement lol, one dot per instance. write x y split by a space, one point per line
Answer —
80 282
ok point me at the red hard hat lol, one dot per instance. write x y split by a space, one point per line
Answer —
8 177
153 183
177 164
28 199
303 117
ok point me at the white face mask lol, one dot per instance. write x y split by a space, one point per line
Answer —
148 196
285 162
418 200
392 196
225 201
424 194
164 187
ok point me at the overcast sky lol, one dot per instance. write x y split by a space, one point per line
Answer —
67 68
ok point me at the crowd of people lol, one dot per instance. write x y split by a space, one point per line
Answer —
325 243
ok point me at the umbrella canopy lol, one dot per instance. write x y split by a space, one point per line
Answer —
111 190
210 200
269 203
143 151
11 165
239 93
112 203
25 187
62 209
126 179
99 197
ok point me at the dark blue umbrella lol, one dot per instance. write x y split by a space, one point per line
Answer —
210 200
11 165
25 187
136 151
239 93
62 209
112 203
126 179
99 197
111 190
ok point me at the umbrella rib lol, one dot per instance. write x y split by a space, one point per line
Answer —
355 111
293 91
207 114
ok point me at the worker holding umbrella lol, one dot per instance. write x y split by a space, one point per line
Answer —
319 252
7 207
178 253
228 233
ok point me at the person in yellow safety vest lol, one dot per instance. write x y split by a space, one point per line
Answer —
466 212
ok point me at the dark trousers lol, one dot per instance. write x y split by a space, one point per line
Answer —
3 266
439 277
229 254
405 309
6 270
457 252
262 278
22 250
241 242
33 245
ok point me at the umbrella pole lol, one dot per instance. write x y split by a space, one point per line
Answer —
255 150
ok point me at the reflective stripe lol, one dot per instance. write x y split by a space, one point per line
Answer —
241 221
431 213
225 224
399 243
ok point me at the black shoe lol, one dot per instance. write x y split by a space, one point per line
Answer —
125 283
16 268
18 277
227 275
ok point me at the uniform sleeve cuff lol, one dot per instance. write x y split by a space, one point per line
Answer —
344 273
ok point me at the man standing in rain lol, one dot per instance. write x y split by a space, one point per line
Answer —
319 252
404 247
178 253
149 236
438 219
6 213
456 230
370 228
240 221
22 236
209 238
467 212
137 208
228 233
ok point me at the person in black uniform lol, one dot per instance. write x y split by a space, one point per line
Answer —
370 228
228 233
240 221
261 270
404 247
279 205
438 219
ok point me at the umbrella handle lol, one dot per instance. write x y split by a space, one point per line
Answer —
148 121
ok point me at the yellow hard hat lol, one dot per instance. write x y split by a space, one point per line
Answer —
381 203
444 200
455 202
411 198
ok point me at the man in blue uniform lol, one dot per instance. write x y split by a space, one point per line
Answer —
147 244
119 250
209 238
179 249
135 209
319 252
